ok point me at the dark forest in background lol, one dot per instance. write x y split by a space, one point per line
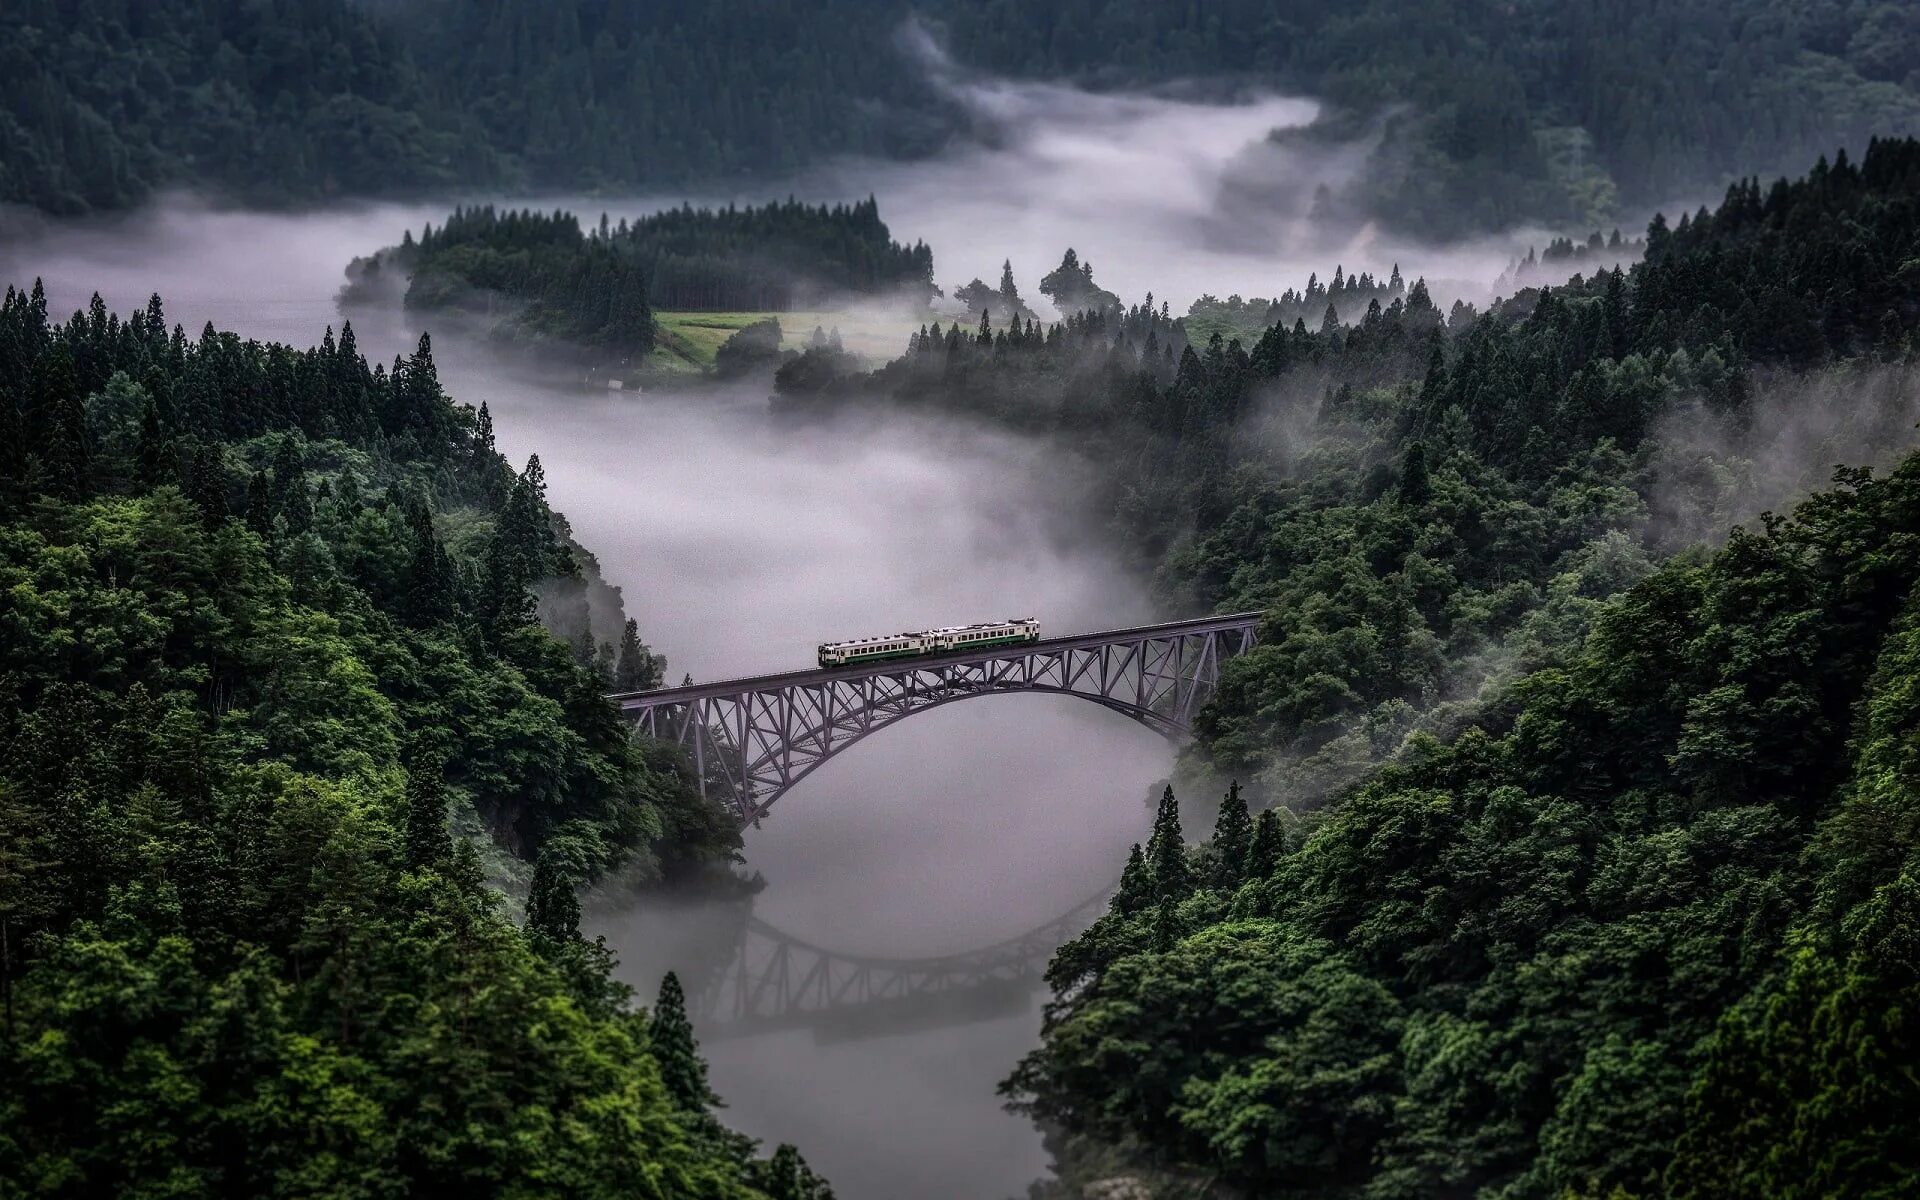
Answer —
1491 112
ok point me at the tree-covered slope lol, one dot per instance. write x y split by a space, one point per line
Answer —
266 631
1649 925
1594 867
1423 501
1485 113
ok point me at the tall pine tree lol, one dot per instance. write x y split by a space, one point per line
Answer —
553 906
427 841
1232 837
670 1037
1167 853
1269 843
637 669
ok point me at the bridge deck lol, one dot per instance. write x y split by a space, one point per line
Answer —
753 683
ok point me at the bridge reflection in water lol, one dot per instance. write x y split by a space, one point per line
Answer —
775 981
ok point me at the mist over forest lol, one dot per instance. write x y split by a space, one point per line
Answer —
499 503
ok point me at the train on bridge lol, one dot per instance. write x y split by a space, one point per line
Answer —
930 641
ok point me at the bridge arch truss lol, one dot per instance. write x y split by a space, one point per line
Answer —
752 739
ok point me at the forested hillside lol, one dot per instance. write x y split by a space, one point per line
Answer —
1634 914
1595 866
274 701
537 276
1486 113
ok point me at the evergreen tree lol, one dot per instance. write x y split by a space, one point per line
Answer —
13 443
670 1038
418 405
1167 852
427 841
1136 884
1009 291
66 455
259 506
290 502
1269 843
1232 837
206 483
637 669
1165 924
521 552
786 1176
553 904
1415 485
483 448
429 579
25 898
155 462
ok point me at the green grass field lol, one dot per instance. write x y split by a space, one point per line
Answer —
687 341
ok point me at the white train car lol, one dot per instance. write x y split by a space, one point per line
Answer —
893 645
975 637
930 641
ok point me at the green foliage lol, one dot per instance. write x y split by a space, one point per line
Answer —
786 1176
1422 504
751 347
1637 918
670 1040
426 841
1166 857
1071 287
599 290
239 952
1557 949
1232 841
553 905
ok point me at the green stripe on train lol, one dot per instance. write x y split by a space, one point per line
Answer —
855 656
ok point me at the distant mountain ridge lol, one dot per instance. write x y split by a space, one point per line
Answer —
1487 114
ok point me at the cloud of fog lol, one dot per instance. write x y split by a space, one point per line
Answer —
740 544
1712 471
1161 191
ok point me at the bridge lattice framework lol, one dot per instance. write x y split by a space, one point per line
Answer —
751 740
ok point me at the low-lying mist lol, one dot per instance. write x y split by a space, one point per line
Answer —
1713 471
1162 191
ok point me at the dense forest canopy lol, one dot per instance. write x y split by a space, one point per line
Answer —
274 704
1486 113
1598 871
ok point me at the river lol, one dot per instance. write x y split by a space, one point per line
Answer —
739 543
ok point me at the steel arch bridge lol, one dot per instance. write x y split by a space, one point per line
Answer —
753 739
775 981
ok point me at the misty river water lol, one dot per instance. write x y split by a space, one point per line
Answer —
739 543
